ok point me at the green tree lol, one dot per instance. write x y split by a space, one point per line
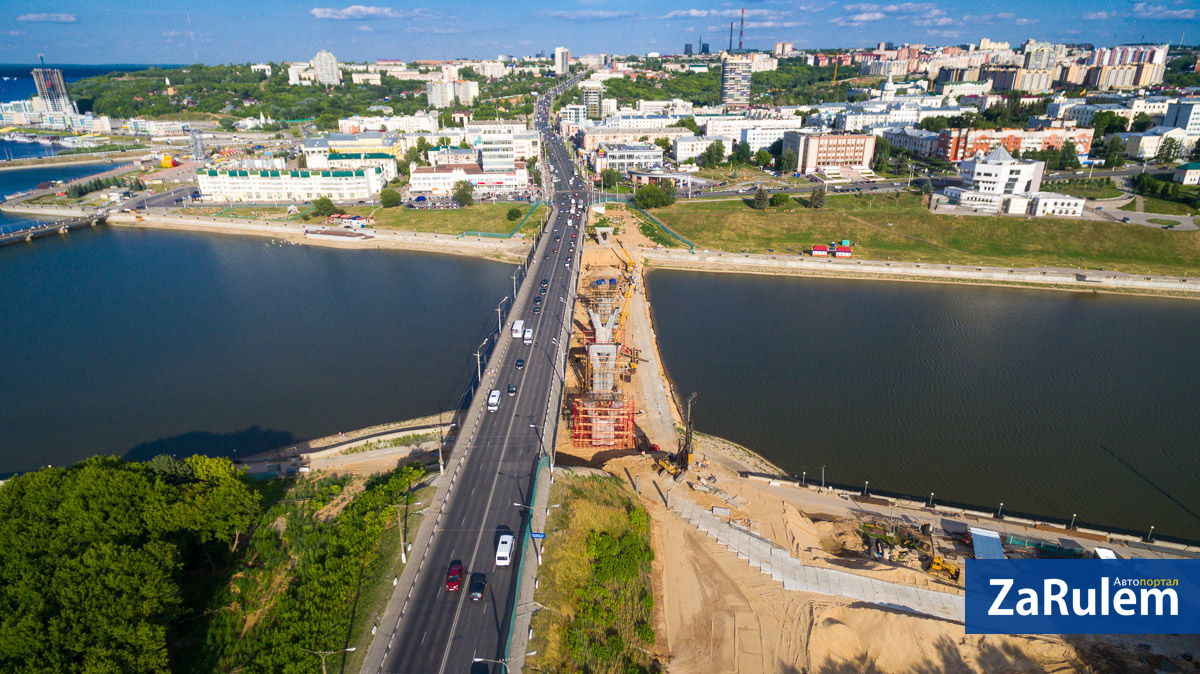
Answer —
227 124
389 198
741 153
327 121
934 124
513 214
663 143
464 192
1168 151
610 178
1106 122
687 123
787 161
323 207
762 158
761 200
817 198
1113 152
1141 122
778 200
652 196
713 155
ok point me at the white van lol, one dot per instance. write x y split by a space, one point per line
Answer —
528 336
504 550
493 400
518 329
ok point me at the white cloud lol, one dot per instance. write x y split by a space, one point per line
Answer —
366 12
432 29
947 34
1144 10
775 24
594 15
364 28
989 18
1026 22
726 13
902 8
1098 16
15 33
48 18
935 21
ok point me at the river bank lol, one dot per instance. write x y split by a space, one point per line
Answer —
74 159
1080 280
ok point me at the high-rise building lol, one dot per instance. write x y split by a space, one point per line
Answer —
1184 115
52 90
590 91
1040 58
466 91
735 80
562 60
327 69
440 94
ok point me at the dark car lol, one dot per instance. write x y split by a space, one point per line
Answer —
545 282
558 238
520 363
556 250
537 299
478 585
537 310
547 256
512 389
454 576
543 291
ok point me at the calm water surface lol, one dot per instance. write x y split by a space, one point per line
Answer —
142 342
1053 403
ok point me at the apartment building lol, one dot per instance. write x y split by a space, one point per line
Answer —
815 151
283 185
736 70
590 92
593 137
690 147
957 144
1183 114
420 123
439 180
918 141
1008 78
626 157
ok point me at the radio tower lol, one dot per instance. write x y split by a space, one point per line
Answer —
741 28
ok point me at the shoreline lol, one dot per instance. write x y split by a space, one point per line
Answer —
763 265
67 161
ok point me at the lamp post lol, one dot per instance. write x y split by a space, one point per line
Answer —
503 663
804 478
1150 536
500 316
1072 521
325 654
479 363
930 500
866 487
1000 511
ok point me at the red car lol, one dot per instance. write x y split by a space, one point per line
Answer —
454 576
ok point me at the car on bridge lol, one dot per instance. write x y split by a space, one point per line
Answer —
520 363
454 576
504 550
512 389
478 585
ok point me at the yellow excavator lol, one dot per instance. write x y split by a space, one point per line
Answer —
939 563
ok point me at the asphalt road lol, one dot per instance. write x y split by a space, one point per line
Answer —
445 631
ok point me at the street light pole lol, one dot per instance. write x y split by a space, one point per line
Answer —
326 654
499 318
1072 521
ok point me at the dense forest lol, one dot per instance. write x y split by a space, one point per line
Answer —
185 566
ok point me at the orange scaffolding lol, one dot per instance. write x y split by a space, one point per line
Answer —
603 421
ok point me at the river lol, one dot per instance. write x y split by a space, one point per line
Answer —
139 342
1051 403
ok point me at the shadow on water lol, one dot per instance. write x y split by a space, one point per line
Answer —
1153 485
245 442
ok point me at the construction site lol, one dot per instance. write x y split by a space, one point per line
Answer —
756 571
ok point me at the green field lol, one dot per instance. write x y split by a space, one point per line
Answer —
594 582
918 235
1087 190
477 218
1161 207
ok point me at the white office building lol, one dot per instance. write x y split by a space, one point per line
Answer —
562 60
440 94
690 147
1184 114
998 183
439 180
419 123
282 185
466 91
626 157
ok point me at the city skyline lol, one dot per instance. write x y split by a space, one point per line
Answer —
213 31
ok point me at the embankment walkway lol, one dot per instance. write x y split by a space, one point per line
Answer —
1072 279
774 561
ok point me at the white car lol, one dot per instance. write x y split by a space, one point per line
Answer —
504 550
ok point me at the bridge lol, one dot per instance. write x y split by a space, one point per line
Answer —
24 232
492 470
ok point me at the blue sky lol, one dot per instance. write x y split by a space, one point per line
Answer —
221 31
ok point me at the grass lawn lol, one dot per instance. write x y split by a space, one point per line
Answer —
918 235
1088 190
591 600
1160 206
1161 221
477 218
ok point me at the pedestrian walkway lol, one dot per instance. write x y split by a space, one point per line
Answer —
774 561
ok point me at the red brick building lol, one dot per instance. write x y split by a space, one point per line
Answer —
957 144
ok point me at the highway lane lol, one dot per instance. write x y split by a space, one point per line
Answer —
444 631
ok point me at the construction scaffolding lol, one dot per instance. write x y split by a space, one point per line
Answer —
602 414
